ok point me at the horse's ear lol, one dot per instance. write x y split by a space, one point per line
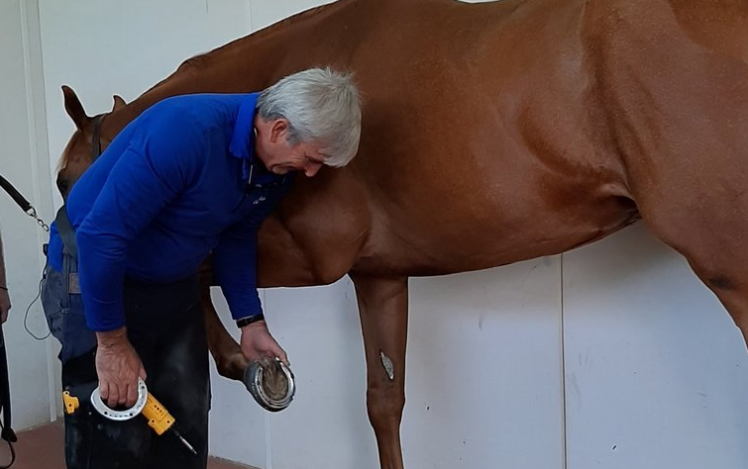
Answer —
119 103
74 108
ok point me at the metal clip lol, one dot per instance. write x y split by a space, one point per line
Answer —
32 213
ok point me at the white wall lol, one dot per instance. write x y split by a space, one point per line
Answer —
656 372
23 161
107 47
611 356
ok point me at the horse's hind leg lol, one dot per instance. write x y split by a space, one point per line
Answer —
718 255
383 306
704 216
684 137
700 208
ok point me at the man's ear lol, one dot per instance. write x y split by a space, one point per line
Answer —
278 130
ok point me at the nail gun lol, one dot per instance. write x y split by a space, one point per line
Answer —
159 419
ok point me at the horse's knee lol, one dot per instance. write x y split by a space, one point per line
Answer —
232 366
385 403
228 357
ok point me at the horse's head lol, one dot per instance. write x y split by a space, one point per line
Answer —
79 153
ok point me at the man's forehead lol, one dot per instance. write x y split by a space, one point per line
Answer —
318 150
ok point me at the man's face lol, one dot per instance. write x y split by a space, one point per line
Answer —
303 157
279 157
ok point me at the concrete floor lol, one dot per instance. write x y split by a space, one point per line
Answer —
42 448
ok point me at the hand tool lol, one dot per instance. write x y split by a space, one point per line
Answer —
159 419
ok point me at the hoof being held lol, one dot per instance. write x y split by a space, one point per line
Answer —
271 383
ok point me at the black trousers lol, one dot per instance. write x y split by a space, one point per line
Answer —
165 326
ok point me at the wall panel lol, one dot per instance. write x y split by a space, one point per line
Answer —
656 371
23 148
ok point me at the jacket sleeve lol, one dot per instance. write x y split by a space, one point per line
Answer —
235 256
161 161
235 269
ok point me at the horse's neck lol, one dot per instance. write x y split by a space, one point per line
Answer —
220 77
256 61
245 65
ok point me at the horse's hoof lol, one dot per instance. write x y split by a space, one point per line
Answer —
271 383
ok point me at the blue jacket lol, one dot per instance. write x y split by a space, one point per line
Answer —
172 187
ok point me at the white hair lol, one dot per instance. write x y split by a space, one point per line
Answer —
322 106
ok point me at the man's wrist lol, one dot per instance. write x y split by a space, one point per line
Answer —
244 322
111 338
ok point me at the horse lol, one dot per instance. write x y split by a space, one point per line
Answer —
537 126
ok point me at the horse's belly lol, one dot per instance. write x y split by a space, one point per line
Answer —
450 239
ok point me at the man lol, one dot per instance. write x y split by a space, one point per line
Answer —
4 296
193 174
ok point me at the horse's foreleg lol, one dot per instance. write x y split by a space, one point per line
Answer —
230 361
383 306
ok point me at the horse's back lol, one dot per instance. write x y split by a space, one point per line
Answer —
487 129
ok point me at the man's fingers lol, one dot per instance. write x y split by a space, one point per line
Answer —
283 357
132 395
122 395
103 390
113 398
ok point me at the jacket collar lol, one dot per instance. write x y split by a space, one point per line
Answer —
243 138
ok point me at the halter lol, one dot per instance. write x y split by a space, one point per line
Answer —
64 227
96 137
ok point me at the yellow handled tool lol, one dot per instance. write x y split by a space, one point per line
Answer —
159 419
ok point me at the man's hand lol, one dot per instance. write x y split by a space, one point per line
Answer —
119 367
256 343
4 305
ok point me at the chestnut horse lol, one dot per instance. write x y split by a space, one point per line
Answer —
492 133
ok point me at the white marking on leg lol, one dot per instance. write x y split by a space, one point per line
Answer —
388 366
